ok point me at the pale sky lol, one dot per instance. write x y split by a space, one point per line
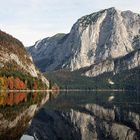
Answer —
32 20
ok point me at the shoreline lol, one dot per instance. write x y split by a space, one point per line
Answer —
98 90
27 90
70 90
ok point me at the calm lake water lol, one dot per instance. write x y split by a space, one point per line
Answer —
16 110
64 114
88 115
68 100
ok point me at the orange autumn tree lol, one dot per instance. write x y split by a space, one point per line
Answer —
10 82
22 85
17 83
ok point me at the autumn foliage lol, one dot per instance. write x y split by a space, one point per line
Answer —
12 83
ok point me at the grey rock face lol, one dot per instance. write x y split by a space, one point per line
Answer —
129 61
99 68
48 53
107 34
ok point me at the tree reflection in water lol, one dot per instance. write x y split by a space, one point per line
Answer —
16 110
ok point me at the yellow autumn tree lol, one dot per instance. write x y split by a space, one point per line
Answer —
2 83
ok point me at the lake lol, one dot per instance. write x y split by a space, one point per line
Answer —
16 111
88 115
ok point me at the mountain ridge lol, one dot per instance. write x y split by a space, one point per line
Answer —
107 34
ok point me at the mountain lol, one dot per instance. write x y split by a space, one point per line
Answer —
118 65
94 41
16 62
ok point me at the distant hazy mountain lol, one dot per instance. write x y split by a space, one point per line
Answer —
105 41
14 58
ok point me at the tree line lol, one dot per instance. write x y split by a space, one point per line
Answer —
12 83
18 80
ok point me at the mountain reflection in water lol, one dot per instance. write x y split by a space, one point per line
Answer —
88 115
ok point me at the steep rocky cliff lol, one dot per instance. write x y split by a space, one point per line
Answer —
14 57
93 39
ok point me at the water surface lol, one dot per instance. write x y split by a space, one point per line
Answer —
67 100
88 115
16 110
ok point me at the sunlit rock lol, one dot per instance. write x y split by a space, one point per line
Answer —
99 41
